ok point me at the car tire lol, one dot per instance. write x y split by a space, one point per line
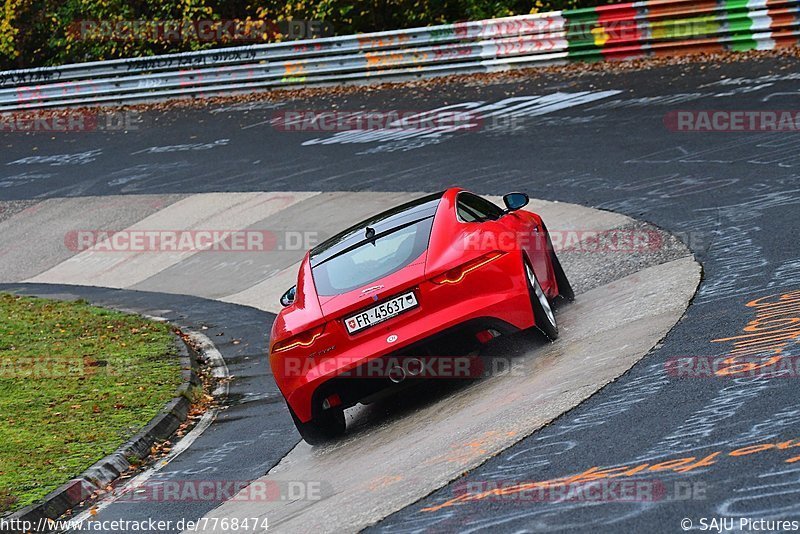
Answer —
564 287
542 308
321 429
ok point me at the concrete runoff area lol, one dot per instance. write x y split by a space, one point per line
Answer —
33 240
196 212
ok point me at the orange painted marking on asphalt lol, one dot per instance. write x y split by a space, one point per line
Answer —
777 323
677 465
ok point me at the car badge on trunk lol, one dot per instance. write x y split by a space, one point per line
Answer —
370 290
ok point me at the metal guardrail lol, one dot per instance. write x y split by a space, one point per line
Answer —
620 31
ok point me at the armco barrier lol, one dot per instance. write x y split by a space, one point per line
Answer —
613 32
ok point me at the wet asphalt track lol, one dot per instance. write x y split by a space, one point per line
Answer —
734 196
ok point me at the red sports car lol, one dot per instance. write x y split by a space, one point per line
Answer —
383 299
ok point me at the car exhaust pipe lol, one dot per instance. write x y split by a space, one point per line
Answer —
397 374
414 366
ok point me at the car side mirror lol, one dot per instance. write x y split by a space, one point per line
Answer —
287 299
515 201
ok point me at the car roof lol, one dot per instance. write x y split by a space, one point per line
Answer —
385 222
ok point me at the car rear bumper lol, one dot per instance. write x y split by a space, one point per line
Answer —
448 355
502 304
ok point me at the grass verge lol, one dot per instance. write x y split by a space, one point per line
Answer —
76 381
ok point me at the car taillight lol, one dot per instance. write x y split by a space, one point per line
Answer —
306 339
457 274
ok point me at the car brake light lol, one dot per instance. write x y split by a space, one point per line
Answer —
457 274
306 339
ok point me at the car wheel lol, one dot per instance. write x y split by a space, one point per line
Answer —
564 287
542 310
322 429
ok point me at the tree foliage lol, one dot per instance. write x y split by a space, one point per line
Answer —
43 32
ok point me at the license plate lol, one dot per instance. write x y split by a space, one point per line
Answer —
380 312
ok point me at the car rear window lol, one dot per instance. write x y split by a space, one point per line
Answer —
373 259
